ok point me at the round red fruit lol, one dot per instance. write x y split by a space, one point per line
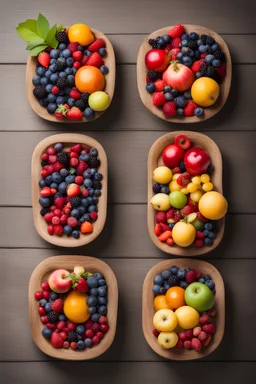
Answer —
76 148
71 326
103 320
53 191
55 90
52 159
44 319
99 335
95 327
199 243
41 311
61 324
95 340
66 344
51 326
184 179
155 332
38 295
63 219
72 222
84 192
44 156
58 229
88 324
55 220
74 155
172 155
104 328
89 333
197 161
50 169
77 55
45 286
63 335
66 211
73 345
50 151
182 141
73 162
57 212
50 230
46 295
52 208
76 65
79 180
44 173
157 59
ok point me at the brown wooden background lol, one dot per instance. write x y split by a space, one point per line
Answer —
127 131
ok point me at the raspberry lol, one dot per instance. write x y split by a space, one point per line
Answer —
187 344
179 344
164 227
199 235
93 216
212 312
158 230
161 217
57 305
176 31
208 328
73 47
190 276
197 331
56 340
155 332
182 336
187 210
196 344
195 67
201 217
198 274
204 319
207 341
202 336
221 70
169 109
189 334
199 243
175 42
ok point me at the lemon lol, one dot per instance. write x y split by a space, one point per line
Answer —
162 175
205 91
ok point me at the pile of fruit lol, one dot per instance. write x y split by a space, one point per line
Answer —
73 308
184 72
70 71
70 189
187 207
184 301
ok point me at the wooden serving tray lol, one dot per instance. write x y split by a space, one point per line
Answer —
148 310
155 159
41 273
142 72
109 89
69 139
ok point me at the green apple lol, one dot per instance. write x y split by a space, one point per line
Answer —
199 297
178 199
198 224
99 101
160 202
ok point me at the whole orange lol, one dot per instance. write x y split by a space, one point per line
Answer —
75 307
160 303
80 33
89 79
175 297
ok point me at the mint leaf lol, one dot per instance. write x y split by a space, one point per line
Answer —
50 38
35 51
42 25
26 34
60 28
34 43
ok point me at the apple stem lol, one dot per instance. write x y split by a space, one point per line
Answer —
175 66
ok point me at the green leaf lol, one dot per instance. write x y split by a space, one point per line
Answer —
26 34
34 43
50 38
35 51
42 26
60 28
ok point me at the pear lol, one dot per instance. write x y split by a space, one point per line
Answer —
160 202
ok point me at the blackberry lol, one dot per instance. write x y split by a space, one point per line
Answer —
93 162
44 211
192 44
75 202
62 83
153 75
210 169
72 336
219 55
97 184
80 104
63 157
174 281
62 37
39 92
211 71
151 41
203 38
182 167
156 188
53 317
203 69
209 40
51 198
155 44
85 97
60 64
44 162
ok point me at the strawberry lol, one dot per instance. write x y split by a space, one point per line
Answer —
170 216
204 319
84 60
74 114
189 108
195 67
56 340
73 190
80 285
77 55
73 47
161 217
201 217
169 109
170 241
76 148
187 210
95 60
164 227
59 115
159 85
57 305
175 42
158 99
158 229
184 179
164 236
206 341
176 31
44 59
208 328
173 53
81 167
75 94
221 70
96 45
196 344
59 202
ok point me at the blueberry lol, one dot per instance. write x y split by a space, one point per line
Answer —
168 96
44 102
58 148
62 317
174 270
212 235
97 192
93 171
165 190
68 71
180 112
207 277
44 81
75 213
92 208
179 55
215 46
166 39
80 329
46 332
48 180
86 217
174 92
166 274
158 279
54 78
53 61
40 71
84 202
57 178
44 202
89 113
216 63
187 61
76 234
102 282
198 74
62 46
102 300
102 52
62 186
156 289
51 108
42 183
202 280
60 100
199 42
193 36
171 225
180 101
48 88
183 284
98 276
80 344
54 53
208 242
88 342
104 69
197 55
66 53
95 200
42 302
206 232
199 111
167 88
191 54
62 75
185 36
209 59
95 317
87 52
47 307
51 98
166 285
102 291
208 226
81 210
94 292
103 310
70 62
184 43
70 179
88 183
67 230
181 273
36 80
202 49
92 282
184 50
210 284
53 296
187 95
150 87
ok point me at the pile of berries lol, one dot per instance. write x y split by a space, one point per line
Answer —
70 189
55 77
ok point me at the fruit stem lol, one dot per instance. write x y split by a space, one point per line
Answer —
175 66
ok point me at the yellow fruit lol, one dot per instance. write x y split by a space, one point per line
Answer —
183 234
175 176
160 202
207 187
205 178
161 303
213 205
192 187
187 316
80 33
76 308
196 196
196 180
184 190
165 320
167 340
174 186
205 91
162 175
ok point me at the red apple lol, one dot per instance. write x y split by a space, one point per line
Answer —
157 59
172 155
178 76
197 161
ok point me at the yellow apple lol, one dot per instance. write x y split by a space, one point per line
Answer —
165 320
205 91
183 234
160 202
167 340
162 175
187 316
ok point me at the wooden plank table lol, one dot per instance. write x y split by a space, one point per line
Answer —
127 131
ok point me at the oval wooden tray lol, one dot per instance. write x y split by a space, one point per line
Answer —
109 89
41 273
154 160
148 310
69 139
142 72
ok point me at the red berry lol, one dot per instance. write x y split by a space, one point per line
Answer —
104 328
71 326
74 155
88 324
51 326
50 230
63 219
44 156
58 229
79 180
73 345
73 162
158 99
199 235
95 340
50 151
161 217
77 55
66 344
155 332
103 320
176 170
95 327
204 319
72 221
52 208
57 212
207 341
66 211
201 217
44 319
76 148
179 344
170 241
55 220
169 109
50 169
46 295
208 328
84 192
182 336
45 286
189 334
99 335
38 295
182 141
190 276
187 344
212 312
52 159
76 65
93 216
61 324
158 229
44 173
176 31
196 344
89 333
202 336
199 243
57 306
55 90
53 191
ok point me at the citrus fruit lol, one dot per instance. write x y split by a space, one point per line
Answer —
89 79
205 91
80 33
213 205
183 234
187 316
75 307
161 303
99 101
175 297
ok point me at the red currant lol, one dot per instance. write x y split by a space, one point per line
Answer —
38 295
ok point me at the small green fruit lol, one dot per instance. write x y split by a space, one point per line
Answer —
99 101
198 224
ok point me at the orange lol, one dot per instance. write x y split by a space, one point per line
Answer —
160 303
80 33
76 308
175 297
86 227
89 79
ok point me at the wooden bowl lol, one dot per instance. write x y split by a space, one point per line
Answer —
109 89
41 273
155 159
69 139
142 72
148 310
